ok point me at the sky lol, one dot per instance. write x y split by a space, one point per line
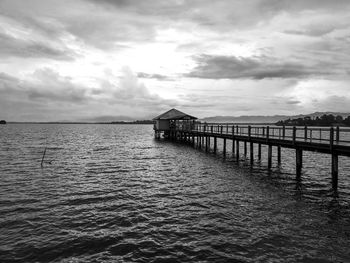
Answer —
84 59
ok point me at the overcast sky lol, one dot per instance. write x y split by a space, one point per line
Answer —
72 60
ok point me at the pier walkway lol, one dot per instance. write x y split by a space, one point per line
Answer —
329 140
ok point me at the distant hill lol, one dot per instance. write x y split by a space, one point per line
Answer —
116 118
107 119
266 119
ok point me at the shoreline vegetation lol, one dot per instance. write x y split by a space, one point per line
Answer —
84 122
324 120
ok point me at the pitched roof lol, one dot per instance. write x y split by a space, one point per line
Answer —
174 114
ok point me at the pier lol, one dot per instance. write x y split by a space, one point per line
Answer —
335 141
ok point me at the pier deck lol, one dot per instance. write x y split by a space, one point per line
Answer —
329 140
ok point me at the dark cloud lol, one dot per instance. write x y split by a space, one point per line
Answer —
153 76
49 92
229 67
157 8
83 22
47 86
107 31
5 78
311 32
297 6
292 102
109 24
221 14
14 47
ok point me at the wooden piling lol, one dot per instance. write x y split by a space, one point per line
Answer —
233 140
335 172
251 153
294 134
259 151
337 134
299 163
334 158
233 147
269 157
237 150
279 154
224 147
215 144
245 148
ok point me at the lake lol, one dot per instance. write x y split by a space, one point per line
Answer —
112 193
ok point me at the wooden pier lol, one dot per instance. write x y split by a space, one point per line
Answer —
334 141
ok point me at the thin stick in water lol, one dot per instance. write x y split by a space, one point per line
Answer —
42 160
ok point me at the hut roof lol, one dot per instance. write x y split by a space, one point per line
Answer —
174 114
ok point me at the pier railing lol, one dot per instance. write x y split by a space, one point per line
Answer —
329 140
327 135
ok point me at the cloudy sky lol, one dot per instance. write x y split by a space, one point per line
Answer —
73 60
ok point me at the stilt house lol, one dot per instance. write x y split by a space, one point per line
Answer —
173 120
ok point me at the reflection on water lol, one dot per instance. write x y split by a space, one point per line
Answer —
112 193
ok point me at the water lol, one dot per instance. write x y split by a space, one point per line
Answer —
111 193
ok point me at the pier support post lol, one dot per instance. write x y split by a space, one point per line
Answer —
233 140
259 151
269 157
335 172
224 147
206 143
233 147
251 153
334 158
245 149
299 163
237 150
279 154
215 144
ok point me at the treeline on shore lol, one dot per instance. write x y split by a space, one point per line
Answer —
133 122
324 120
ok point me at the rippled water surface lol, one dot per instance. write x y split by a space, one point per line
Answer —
111 193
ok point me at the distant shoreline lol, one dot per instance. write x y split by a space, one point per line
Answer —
30 122
143 123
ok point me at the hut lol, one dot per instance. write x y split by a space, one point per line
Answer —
173 120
